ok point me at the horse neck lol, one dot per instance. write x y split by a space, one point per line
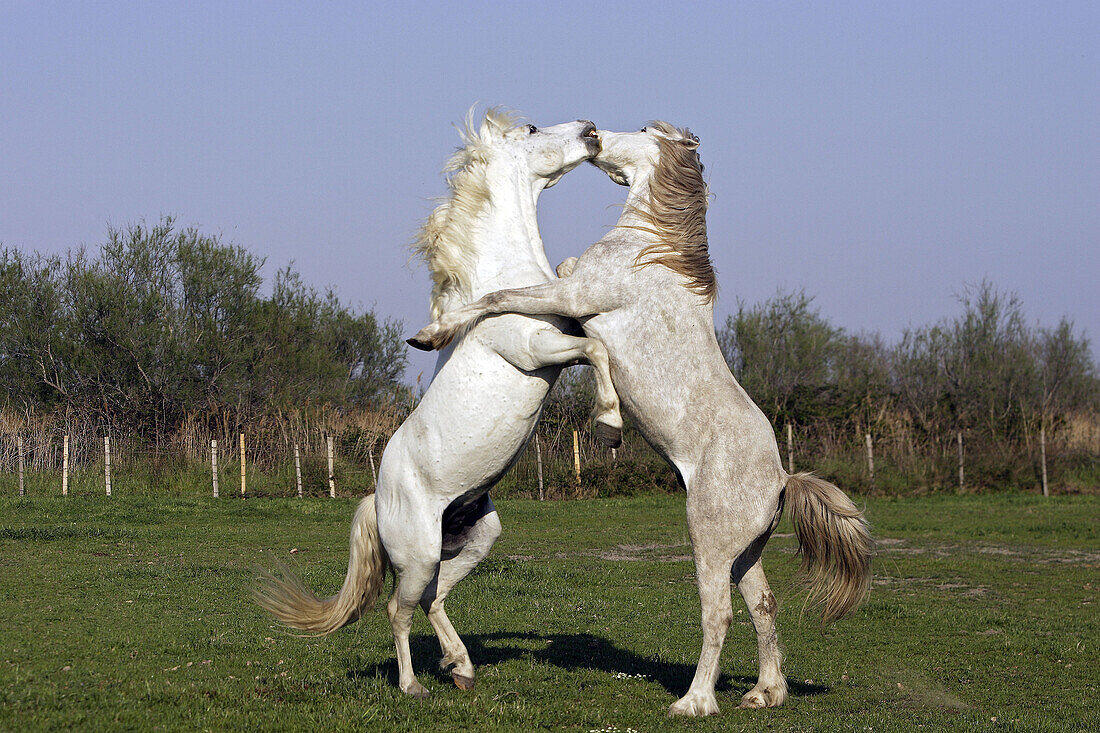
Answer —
509 250
637 198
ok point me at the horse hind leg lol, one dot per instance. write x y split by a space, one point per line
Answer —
721 534
712 570
415 557
475 538
771 686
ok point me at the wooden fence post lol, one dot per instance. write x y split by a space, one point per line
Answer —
959 441
242 466
19 449
107 463
331 476
576 457
373 472
214 465
1043 454
298 469
790 449
870 459
538 463
65 467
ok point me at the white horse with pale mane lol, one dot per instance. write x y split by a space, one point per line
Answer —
431 517
646 291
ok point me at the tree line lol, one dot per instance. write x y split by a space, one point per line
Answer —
165 336
987 374
164 323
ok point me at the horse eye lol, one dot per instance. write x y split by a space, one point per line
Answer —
531 129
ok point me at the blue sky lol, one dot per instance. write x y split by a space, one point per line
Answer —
879 155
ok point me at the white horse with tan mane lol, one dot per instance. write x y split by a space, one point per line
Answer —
646 291
431 517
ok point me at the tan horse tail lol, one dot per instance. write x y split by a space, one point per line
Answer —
835 543
289 600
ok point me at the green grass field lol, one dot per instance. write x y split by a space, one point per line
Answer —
133 613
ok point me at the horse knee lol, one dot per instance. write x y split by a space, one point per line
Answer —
565 269
767 606
491 527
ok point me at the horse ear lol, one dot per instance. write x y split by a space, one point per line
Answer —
691 142
488 130
495 124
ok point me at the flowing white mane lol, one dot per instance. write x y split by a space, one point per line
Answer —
444 241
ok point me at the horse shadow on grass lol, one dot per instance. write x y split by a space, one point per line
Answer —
566 651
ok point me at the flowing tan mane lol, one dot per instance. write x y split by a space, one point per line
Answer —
676 212
444 240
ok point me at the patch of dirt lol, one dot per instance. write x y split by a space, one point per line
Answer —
652 552
956 587
1029 554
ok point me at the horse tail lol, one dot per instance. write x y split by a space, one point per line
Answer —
290 601
835 543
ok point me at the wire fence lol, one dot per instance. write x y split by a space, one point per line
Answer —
292 457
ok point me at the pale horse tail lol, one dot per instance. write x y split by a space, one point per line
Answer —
290 601
835 543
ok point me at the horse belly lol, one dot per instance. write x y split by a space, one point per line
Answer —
473 421
658 367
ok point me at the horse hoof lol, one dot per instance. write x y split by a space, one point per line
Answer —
463 682
695 707
764 697
418 691
608 435
752 701
418 344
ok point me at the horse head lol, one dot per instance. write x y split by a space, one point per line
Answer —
628 156
545 154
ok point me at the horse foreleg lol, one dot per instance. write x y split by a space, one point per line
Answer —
477 540
572 297
771 686
565 269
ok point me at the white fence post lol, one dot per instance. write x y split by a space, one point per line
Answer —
242 467
576 458
538 462
298 469
65 467
331 476
959 441
790 449
19 448
214 465
107 463
870 460
1043 454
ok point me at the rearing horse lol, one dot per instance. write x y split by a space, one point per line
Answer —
646 291
431 516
